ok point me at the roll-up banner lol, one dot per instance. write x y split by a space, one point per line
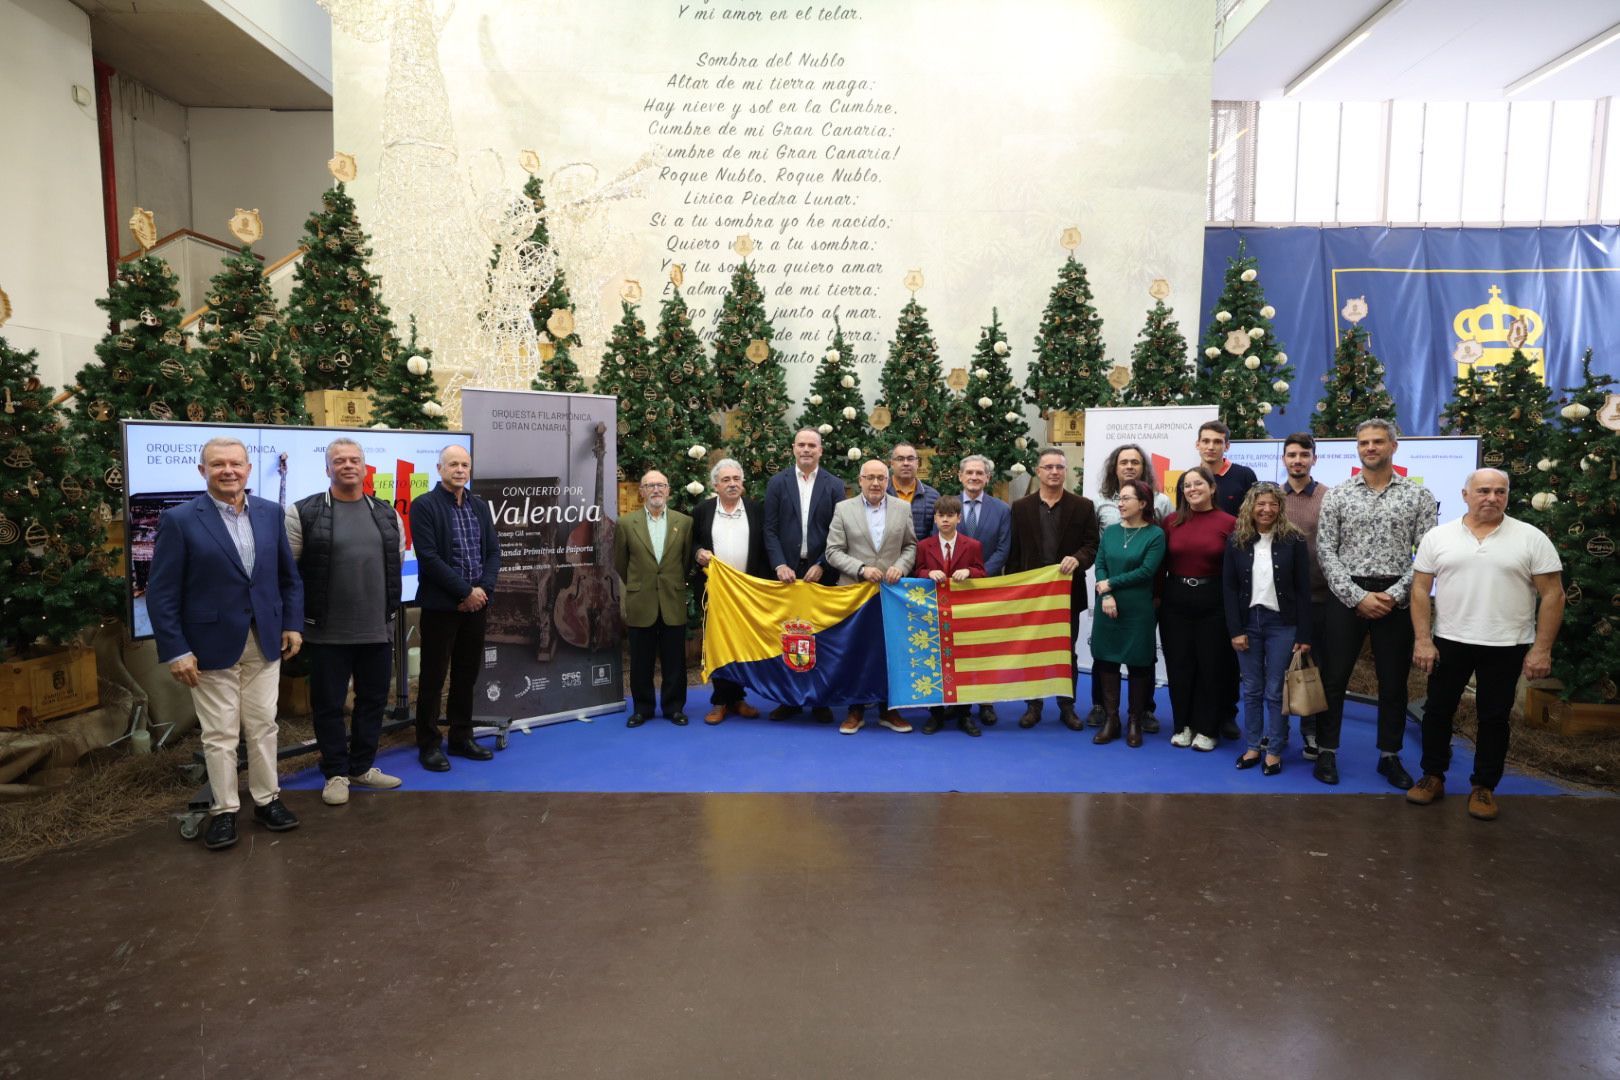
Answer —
547 466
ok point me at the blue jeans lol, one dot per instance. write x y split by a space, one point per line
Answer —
1264 666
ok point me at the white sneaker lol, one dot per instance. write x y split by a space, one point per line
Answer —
1203 742
336 791
1184 737
375 778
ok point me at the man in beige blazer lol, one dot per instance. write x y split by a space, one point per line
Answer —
871 538
652 551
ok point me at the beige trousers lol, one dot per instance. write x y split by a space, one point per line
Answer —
240 702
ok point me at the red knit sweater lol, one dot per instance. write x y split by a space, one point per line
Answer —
1197 548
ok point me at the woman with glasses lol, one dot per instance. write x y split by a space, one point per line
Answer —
1267 586
1128 559
1192 617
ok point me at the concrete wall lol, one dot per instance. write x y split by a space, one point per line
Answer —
272 162
151 159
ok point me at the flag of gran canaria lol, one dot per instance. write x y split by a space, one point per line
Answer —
797 644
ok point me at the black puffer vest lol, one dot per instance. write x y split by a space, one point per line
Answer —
315 561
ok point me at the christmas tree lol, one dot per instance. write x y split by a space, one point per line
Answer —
685 430
1160 371
626 374
1468 390
1579 509
1070 372
988 418
761 442
742 321
339 327
144 371
248 351
911 383
835 406
1355 383
54 511
1509 416
1244 370
404 394
558 371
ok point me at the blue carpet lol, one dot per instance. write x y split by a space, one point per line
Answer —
602 755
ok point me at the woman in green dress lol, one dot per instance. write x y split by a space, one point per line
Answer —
1128 559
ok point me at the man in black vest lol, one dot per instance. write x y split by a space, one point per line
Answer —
349 547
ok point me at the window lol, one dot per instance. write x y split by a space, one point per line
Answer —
1610 205
1483 158
1275 161
1405 160
1316 191
1529 126
1440 196
1569 160
1361 160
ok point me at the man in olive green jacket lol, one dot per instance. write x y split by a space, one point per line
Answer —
652 552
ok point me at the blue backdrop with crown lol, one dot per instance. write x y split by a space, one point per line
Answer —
1437 301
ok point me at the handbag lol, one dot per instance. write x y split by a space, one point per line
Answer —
1303 694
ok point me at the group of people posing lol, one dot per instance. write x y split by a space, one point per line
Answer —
1233 579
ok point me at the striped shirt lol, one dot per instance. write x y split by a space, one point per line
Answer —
239 524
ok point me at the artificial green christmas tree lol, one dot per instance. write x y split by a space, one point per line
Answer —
246 349
626 373
988 418
404 394
558 372
144 372
835 406
742 321
54 511
1243 369
684 431
762 442
1354 388
1578 506
1070 370
338 324
1161 373
1468 390
1509 417
911 385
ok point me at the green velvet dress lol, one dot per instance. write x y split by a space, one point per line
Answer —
1128 559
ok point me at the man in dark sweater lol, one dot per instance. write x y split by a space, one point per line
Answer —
350 547
1232 483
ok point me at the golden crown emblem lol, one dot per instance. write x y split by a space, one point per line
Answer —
1499 328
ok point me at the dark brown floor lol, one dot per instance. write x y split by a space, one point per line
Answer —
1005 936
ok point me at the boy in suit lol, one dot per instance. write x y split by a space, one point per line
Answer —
953 555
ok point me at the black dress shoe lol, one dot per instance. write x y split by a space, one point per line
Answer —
1150 724
823 715
221 832
1271 768
1391 769
275 817
934 722
987 715
433 759
1095 717
678 718
469 750
967 724
1247 762
1327 767
1229 730
781 712
1031 717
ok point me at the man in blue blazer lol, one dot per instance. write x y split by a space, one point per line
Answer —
799 504
989 521
227 606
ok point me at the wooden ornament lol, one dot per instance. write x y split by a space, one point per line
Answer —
1355 309
561 324
743 245
195 412
1070 238
160 410
1119 376
5 307
758 351
677 275
71 488
100 411
1159 289
529 162
881 418
35 535
19 458
9 533
143 226
247 226
957 380
548 350
1600 546
630 291
913 281
342 167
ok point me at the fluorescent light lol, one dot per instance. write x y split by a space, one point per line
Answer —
1574 56
1339 51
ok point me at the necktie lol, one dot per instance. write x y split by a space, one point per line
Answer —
973 517
947 554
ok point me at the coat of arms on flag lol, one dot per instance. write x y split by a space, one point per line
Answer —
799 644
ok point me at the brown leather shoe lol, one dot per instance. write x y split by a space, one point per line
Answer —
853 722
1031 717
1427 790
1073 721
745 710
1482 804
892 720
1133 730
715 715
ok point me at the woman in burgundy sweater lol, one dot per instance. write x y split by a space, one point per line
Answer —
1192 617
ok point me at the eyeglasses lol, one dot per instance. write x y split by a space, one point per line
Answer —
1060 466
654 487
903 457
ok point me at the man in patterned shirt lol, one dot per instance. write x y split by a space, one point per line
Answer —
1366 534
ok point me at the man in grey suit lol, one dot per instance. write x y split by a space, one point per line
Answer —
871 538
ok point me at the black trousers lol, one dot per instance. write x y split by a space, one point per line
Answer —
348 751
1192 629
726 691
1392 660
1495 669
665 645
452 644
1308 725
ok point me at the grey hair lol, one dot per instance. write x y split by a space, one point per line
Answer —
1048 451
989 466
343 440
453 446
1507 481
1386 426
723 463
220 440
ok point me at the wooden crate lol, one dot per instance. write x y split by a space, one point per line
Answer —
1544 709
47 687
1065 427
338 408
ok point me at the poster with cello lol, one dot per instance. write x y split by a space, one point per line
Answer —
547 467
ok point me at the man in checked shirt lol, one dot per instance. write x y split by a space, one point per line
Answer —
1369 527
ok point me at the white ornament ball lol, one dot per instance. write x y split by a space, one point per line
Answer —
1223 316
1251 362
1212 352
1265 408
1021 442
1282 358
985 403
831 356
695 452
1546 464
980 373
1586 464
1268 311
432 408
417 365
825 429
854 453
1250 274
815 399
1574 411
847 381
695 488
1001 348
1321 406
1543 500
1281 386
1018 469
1011 417
1257 332
849 412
